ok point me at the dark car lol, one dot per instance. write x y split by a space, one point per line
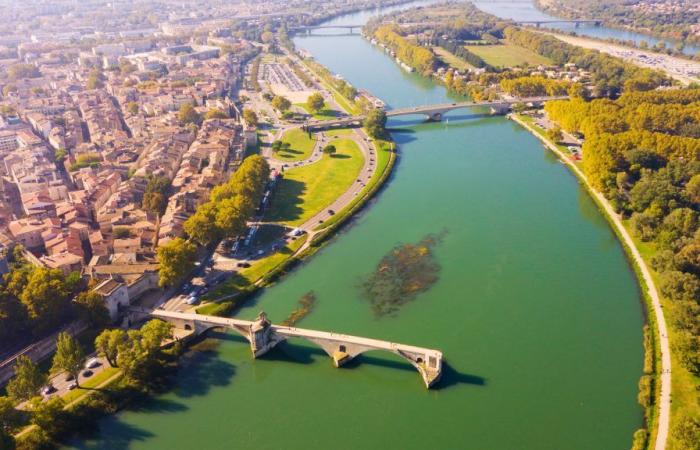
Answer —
87 373
331 212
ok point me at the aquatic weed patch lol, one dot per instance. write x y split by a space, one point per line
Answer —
306 305
402 274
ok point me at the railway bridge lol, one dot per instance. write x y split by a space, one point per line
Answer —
263 336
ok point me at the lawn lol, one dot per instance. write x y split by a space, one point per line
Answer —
301 145
324 114
88 387
451 59
507 55
307 190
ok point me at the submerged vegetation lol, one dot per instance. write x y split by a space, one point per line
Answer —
403 273
306 306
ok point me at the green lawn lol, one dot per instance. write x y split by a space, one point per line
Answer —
305 191
88 387
451 59
324 114
301 145
507 55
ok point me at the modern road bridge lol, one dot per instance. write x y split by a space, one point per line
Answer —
435 112
264 335
309 28
576 22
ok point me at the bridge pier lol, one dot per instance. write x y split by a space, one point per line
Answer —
262 336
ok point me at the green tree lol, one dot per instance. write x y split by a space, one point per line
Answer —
91 308
315 102
49 415
250 117
555 134
138 354
329 149
687 347
232 215
281 103
27 381
132 108
679 285
375 123
108 343
69 356
46 297
9 421
686 432
188 115
201 226
215 113
176 259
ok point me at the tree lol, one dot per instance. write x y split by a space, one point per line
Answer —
232 215
176 259
215 113
250 117
281 103
201 226
555 134
375 122
27 381
108 343
10 419
69 356
95 80
132 108
141 347
687 346
91 308
188 115
49 416
45 297
329 149
679 285
687 433
315 102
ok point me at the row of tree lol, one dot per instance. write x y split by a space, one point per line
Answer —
458 49
643 152
225 215
534 86
420 58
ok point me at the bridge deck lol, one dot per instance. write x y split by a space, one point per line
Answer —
291 331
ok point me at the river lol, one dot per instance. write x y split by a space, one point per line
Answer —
535 308
526 10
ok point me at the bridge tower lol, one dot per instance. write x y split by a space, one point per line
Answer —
262 336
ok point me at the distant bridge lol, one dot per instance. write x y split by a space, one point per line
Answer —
435 112
263 336
309 28
576 22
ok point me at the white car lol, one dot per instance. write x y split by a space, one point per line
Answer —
92 363
191 300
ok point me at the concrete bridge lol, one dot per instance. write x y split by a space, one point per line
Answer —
264 335
435 112
310 28
576 22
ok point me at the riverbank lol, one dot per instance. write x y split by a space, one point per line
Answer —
658 426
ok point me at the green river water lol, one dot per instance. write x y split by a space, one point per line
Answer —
536 310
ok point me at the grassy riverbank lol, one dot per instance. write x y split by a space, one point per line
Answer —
306 191
637 260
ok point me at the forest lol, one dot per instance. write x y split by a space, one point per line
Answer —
642 151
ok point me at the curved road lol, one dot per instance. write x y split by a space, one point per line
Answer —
664 416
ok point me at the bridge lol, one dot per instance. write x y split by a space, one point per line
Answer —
263 336
309 28
435 112
576 22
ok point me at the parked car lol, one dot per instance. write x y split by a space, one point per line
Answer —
48 389
87 373
92 363
191 300
72 386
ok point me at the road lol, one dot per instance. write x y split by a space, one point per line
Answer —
664 414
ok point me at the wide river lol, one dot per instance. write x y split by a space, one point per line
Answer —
535 308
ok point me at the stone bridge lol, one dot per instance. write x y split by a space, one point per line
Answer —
263 335
576 22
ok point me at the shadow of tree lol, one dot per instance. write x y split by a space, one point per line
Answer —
121 436
286 201
340 156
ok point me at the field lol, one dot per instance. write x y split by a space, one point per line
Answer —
451 60
305 191
507 55
301 145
